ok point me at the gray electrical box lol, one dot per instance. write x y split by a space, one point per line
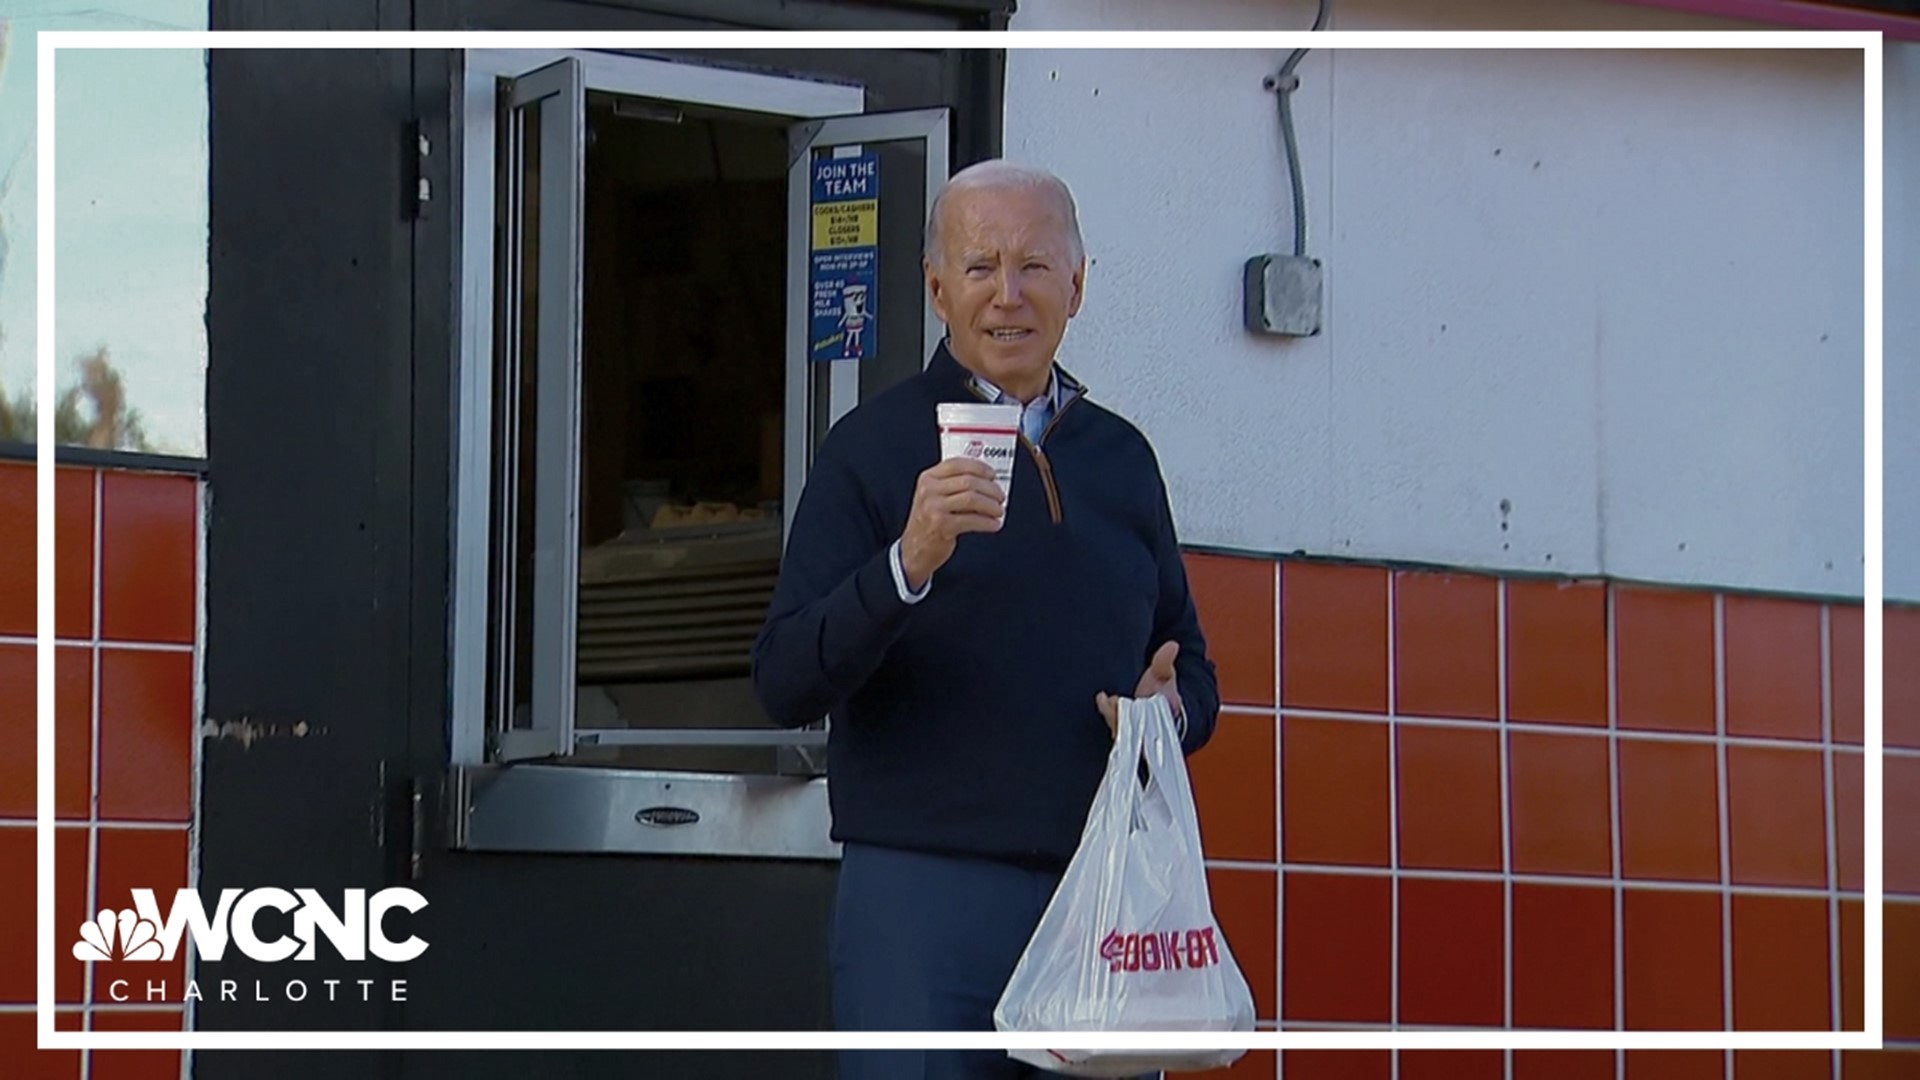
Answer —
1282 295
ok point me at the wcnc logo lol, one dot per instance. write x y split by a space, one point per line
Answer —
355 930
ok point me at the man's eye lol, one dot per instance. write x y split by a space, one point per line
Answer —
1036 266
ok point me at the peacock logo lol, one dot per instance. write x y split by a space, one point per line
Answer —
117 935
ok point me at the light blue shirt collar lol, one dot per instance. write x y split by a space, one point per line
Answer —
1033 414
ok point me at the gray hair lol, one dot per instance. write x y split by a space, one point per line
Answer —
1000 174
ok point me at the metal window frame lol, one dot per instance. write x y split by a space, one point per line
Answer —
798 99
558 92
533 806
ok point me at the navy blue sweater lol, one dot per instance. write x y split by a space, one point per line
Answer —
966 723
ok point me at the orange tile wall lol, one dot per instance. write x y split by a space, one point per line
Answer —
1455 799
125 602
1432 798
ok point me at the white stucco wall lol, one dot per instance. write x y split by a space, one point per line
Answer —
1647 346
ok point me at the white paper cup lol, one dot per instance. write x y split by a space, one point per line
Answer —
986 433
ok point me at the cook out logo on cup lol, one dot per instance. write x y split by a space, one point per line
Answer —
984 433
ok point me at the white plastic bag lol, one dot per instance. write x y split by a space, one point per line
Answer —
1129 942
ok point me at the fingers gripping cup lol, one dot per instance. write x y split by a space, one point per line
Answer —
985 433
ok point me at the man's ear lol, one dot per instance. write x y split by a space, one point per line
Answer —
1079 288
934 295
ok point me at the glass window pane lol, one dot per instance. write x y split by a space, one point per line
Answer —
130 333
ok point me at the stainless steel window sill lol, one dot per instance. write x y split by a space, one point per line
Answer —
581 809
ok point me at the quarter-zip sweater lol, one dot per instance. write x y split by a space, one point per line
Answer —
966 723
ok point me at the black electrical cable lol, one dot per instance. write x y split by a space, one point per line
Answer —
1283 85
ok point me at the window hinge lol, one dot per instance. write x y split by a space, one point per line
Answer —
422 185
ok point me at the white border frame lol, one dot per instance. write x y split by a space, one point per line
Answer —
1869 44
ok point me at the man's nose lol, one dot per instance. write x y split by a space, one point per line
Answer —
1006 291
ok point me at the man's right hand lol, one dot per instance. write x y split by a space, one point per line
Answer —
959 495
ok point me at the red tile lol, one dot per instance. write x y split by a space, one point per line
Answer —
110 1018
72 553
1783 1065
1901 1064
1338 942
1672 945
1333 637
1449 798
1562 956
1669 811
1235 599
72 726
1849 822
19 1039
1664 659
1453 1065
1776 817
141 859
1780 964
1253 1065
1334 784
1900 967
1245 903
1900 676
146 734
1337 1064
1446 645
149 526
1900 808
19 547
1773 668
1563 1064
1557 652
20 921
136 1064
1849 672
1233 777
1676 1064
1852 958
1452 952
1562 816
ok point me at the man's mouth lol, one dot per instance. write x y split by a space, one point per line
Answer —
1009 335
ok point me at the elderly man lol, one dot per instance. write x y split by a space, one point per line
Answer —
967 648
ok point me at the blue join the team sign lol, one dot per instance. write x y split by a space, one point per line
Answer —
844 254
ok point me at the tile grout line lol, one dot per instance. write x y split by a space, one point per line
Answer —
1393 823
93 764
1610 615
1832 810
1572 880
15 1007
1565 880
95 641
190 1009
1500 600
1279 826
1726 826
1537 727
105 823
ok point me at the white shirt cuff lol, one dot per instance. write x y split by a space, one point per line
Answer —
907 596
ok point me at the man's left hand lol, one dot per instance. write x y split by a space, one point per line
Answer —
1157 679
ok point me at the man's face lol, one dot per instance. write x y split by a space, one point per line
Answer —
1006 283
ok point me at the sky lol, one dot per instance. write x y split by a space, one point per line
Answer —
131 224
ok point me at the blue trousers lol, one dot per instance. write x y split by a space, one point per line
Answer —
925 942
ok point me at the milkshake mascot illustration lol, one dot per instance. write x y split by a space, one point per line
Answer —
854 317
